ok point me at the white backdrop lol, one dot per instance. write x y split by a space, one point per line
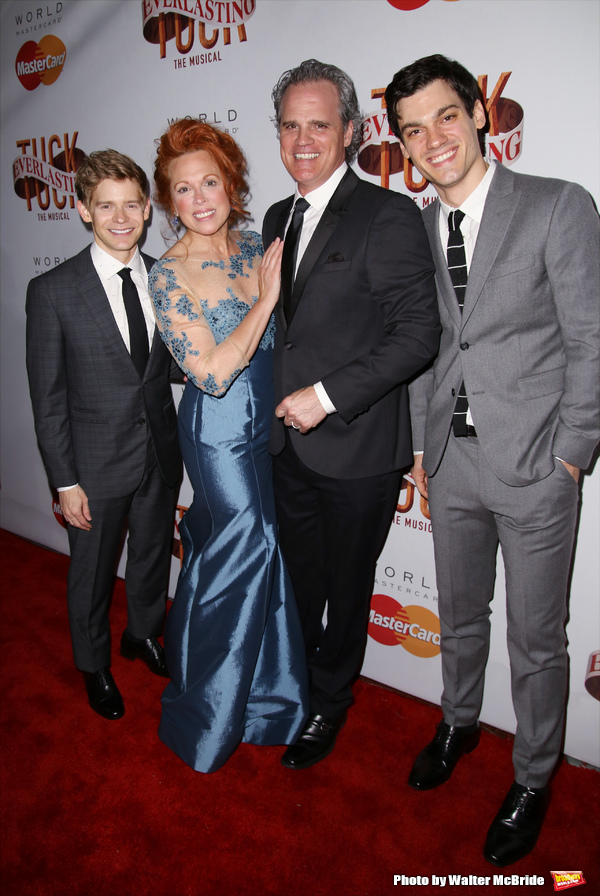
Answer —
113 73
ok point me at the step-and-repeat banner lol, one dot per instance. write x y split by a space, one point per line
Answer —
77 77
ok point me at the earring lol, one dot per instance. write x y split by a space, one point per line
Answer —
175 221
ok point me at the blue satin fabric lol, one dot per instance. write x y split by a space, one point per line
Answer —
233 642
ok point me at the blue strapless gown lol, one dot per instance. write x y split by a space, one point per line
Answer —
233 641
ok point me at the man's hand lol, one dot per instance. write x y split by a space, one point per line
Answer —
574 471
419 475
302 409
75 508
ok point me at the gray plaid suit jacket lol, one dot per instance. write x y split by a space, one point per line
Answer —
93 414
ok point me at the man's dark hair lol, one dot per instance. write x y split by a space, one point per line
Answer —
419 74
311 71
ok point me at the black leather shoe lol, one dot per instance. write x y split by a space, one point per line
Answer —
516 828
316 741
103 694
148 650
434 765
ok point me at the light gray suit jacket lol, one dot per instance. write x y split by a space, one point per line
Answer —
527 342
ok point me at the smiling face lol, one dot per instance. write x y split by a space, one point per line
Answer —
440 138
311 134
117 212
198 193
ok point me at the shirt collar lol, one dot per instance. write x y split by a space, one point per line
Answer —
474 203
107 265
319 198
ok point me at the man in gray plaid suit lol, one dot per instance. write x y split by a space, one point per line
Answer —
106 422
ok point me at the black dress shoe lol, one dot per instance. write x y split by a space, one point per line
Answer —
148 650
434 765
516 827
316 741
103 694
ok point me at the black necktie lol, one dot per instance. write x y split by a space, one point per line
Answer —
290 254
138 332
457 267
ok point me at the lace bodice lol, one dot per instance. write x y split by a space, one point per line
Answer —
198 309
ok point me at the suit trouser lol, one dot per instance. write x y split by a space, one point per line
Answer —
149 513
471 512
331 533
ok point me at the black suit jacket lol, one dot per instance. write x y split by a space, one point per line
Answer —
91 410
366 322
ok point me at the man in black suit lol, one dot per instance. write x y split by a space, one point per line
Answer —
357 319
106 422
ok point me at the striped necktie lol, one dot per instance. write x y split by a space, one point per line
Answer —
457 268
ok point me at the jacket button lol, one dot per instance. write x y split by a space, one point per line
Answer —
453 393
141 421
464 346
289 345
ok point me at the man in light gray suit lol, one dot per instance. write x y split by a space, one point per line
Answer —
106 423
507 416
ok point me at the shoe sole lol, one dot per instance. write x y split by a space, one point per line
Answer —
298 766
111 718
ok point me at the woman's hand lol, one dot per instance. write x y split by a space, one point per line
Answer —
269 274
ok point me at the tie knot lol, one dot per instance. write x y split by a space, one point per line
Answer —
301 206
125 274
455 219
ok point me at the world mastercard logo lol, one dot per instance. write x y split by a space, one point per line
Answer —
415 628
40 63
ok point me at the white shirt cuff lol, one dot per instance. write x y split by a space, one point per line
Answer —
324 398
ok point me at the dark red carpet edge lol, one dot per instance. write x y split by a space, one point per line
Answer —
98 808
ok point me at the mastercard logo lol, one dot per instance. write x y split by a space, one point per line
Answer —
40 63
56 509
415 628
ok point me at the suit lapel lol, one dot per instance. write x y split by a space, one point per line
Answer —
280 232
157 343
444 283
96 301
282 218
335 210
500 206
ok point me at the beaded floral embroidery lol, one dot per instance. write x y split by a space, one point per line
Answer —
222 318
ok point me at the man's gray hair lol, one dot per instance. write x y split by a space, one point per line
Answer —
310 71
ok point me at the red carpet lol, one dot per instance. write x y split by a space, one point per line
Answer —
98 808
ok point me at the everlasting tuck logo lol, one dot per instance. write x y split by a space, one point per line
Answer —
44 174
217 20
415 628
380 156
40 63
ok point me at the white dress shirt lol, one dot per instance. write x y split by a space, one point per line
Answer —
473 208
317 202
108 269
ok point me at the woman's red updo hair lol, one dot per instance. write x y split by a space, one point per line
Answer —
190 135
